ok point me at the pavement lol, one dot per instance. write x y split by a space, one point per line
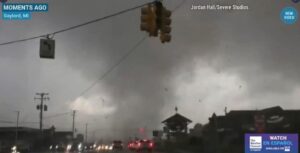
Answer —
113 151
121 151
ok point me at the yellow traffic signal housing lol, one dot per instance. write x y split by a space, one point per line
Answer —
148 20
155 17
165 37
165 25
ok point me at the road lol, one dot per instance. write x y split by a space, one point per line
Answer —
113 151
117 151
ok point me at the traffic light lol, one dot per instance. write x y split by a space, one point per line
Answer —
148 20
165 25
47 48
156 18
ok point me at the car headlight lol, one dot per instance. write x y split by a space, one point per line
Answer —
69 147
79 147
14 148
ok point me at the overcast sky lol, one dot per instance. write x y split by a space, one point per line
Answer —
216 59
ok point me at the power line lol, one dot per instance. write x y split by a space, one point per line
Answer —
123 57
76 26
57 115
30 122
179 5
103 18
114 66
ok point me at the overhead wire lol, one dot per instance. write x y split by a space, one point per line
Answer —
126 55
57 115
122 58
76 26
118 62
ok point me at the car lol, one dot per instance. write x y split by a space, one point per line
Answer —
132 145
57 148
117 145
145 145
104 147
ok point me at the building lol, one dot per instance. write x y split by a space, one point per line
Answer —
226 133
26 138
31 139
176 126
196 131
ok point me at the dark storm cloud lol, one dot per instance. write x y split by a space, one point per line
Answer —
239 59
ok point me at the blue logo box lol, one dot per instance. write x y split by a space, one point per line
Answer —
289 15
271 143
24 7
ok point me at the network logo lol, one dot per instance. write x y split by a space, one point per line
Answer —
296 1
289 15
255 143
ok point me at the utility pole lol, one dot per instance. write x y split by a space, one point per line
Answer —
86 136
41 106
17 126
73 125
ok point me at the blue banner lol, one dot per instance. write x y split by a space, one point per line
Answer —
24 7
271 143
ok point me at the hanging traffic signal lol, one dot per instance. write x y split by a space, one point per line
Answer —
156 18
148 20
165 25
47 48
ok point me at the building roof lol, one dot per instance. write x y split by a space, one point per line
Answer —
250 113
239 118
8 129
177 118
22 129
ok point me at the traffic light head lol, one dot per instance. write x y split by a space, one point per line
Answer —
165 37
47 48
155 17
148 20
145 18
165 27
166 13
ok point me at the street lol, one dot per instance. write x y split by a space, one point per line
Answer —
113 151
